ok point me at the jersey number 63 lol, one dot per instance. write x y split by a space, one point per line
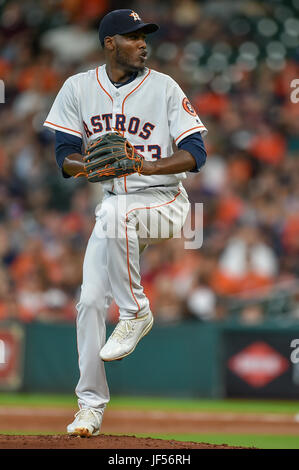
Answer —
154 149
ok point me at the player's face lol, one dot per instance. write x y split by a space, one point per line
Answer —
130 51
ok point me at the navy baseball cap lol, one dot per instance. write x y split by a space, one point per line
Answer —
123 22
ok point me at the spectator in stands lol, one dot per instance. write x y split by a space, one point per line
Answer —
237 79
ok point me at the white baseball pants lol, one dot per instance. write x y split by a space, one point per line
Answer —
125 225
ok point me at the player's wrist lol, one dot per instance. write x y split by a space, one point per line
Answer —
73 165
148 168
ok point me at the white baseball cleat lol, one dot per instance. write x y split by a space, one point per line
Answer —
87 423
125 337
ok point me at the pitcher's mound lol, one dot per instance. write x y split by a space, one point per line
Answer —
103 441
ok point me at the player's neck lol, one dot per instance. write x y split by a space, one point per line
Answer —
118 75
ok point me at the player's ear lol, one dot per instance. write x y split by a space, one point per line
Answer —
109 43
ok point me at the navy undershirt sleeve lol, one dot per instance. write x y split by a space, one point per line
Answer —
195 145
66 144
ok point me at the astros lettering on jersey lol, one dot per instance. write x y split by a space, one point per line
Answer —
152 112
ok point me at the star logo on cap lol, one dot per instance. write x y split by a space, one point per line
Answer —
135 16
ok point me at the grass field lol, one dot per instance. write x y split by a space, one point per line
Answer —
147 403
263 441
267 441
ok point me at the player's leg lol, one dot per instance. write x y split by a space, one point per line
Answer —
122 244
92 389
150 218
164 217
139 220
123 252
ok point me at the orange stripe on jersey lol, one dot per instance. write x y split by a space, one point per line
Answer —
123 105
102 85
197 127
122 110
61 127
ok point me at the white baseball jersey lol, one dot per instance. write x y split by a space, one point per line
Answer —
152 112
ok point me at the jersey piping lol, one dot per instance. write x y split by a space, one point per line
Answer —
122 109
61 127
192 129
123 104
102 85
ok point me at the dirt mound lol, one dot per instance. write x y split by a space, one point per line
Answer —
100 442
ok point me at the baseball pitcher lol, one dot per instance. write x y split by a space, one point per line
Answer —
116 125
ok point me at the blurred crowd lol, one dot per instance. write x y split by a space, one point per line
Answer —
236 62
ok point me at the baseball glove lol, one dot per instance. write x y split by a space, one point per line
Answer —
111 156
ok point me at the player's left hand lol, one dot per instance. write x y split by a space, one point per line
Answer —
111 156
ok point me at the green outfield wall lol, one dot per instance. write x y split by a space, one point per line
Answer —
190 359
